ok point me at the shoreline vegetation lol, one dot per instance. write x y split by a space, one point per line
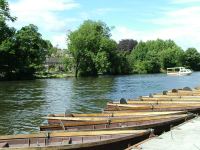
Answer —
91 51
54 75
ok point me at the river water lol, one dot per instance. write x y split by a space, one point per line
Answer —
24 103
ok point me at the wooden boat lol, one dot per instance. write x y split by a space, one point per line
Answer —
169 98
152 107
175 96
117 114
182 92
135 102
158 123
85 120
105 117
93 140
137 122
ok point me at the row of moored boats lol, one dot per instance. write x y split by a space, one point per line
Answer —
119 126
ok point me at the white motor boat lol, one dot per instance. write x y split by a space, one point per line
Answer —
178 71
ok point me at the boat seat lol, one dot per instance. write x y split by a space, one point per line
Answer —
174 91
5 144
123 101
187 89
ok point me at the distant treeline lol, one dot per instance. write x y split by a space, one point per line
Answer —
91 51
95 52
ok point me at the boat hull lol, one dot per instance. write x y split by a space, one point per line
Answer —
100 142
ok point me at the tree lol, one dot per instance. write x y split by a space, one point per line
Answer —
120 63
86 45
171 57
5 11
5 31
127 44
23 53
151 56
31 49
192 59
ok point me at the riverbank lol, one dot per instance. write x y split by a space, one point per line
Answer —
54 75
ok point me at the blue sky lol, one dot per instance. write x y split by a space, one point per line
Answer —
137 19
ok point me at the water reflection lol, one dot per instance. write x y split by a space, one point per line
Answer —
22 104
89 94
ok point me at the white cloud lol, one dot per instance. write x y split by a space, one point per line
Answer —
59 40
44 14
180 25
43 5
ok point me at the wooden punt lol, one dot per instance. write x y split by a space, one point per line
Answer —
160 102
108 119
81 140
176 96
116 114
181 92
153 107
74 118
164 98
158 123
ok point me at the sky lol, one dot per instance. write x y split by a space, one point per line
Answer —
144 20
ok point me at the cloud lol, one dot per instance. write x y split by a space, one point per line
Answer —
42 6
46 14
180 25
59 40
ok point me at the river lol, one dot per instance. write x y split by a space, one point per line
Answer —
24 103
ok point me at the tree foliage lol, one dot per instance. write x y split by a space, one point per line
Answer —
192 59
22 53
127 44
152 56
91 48
5 11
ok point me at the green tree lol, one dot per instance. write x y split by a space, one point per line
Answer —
171 57
192 59
152 62
86 45
151 56
31 49
120 63
5 31
5 11
22 54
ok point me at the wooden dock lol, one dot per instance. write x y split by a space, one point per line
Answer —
183 137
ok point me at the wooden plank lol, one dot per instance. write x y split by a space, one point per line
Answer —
23 136
94 133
